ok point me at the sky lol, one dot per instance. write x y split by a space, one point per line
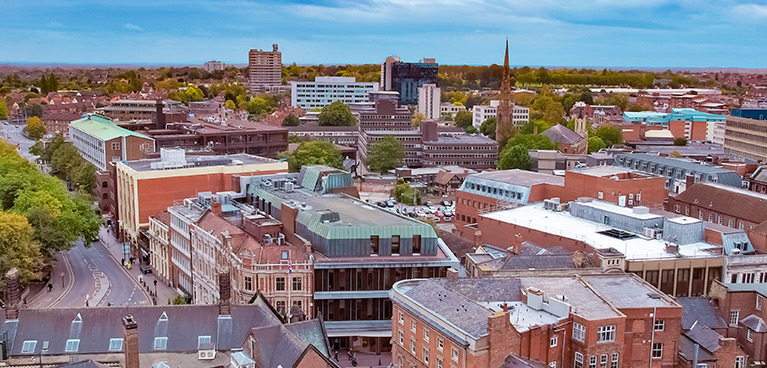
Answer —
618 33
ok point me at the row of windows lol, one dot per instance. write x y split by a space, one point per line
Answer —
748 278
604 360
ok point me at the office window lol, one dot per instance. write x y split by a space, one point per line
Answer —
593 361
579 332
759 299
116 344
440 344
296 283
659 325
160 343
248 283
750 335
440 364
740 362
281 306
734 318
401 338
578 360
72 345
413 326
29 346
426 334
657 350
426 356
553 341
374 244
115 146
401 318
614 361
454 353
603 361
280 281
606 333
412 346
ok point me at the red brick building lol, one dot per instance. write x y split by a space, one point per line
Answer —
617 185
743 307
576 321
725 205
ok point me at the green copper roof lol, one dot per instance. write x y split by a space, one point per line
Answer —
103 128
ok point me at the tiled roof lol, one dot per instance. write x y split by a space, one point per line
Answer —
561 134
700 309
755 323
727 200
706 337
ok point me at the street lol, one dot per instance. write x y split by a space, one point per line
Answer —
91 274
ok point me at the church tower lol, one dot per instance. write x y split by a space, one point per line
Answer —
504 121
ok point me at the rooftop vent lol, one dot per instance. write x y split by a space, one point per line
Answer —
618 234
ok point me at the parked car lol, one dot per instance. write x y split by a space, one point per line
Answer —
429 204
381 204
390 203
447 203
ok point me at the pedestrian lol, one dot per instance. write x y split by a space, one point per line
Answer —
349 353
123 262
50 286
336 355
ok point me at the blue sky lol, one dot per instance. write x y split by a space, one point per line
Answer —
645 33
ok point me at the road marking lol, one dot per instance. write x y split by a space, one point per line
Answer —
69 285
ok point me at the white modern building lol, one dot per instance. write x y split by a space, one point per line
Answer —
326 90
213 65
450 109
429 101
483 112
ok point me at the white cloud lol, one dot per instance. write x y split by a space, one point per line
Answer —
132 27
750 11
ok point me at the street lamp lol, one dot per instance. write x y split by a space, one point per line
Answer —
62 280
155 287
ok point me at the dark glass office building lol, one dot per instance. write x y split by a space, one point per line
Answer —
405 78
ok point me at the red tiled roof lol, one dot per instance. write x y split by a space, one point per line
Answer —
730 201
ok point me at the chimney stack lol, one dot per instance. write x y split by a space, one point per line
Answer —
516 244
578 259
452 274
215 206
689 181
12 294
225 292
130 342
160 114
477 239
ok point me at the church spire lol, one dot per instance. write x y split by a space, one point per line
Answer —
506 58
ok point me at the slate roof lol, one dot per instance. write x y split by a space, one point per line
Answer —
687 351
284 345
513 361
180 324
547 261
561 134
736 202
82 364
754 323
700 309
704 336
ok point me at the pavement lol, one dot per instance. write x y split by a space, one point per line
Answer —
364 360
13 134
164 292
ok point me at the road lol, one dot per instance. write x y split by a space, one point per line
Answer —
100 279
92 273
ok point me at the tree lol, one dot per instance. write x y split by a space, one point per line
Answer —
35 128
179 300
681 141
313 153
610 135
188 94
291 120
514 157
168 84
229 104
471 130
418 118
595 144
336 114
405 193
18 248
385 155
463 118
532 142
488 127
3 109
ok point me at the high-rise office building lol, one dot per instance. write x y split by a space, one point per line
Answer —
264 69
429 101
405 78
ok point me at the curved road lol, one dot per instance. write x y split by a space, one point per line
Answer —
100 279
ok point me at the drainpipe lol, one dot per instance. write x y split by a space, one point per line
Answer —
562 346
695 356
652 339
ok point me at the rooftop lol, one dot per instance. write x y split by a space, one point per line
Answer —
737 202
702 310
563 224
519 177
561 134
238 159
102 128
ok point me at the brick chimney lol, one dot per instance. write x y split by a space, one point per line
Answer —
12 294
516 244
477 239
578 259
215 206
159 114
689 180
452 274
225 293
130 342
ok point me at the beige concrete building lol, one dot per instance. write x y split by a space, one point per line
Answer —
746 137
264 69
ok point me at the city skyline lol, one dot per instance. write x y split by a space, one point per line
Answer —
657 33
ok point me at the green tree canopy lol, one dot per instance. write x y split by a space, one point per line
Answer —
681 141
336 114
532 141
35 128
385 155
313 153
418 118
291 120
405 193
463 118
488 127
514 157
229 104
610 135
18 248
3 109
471 129
595 144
